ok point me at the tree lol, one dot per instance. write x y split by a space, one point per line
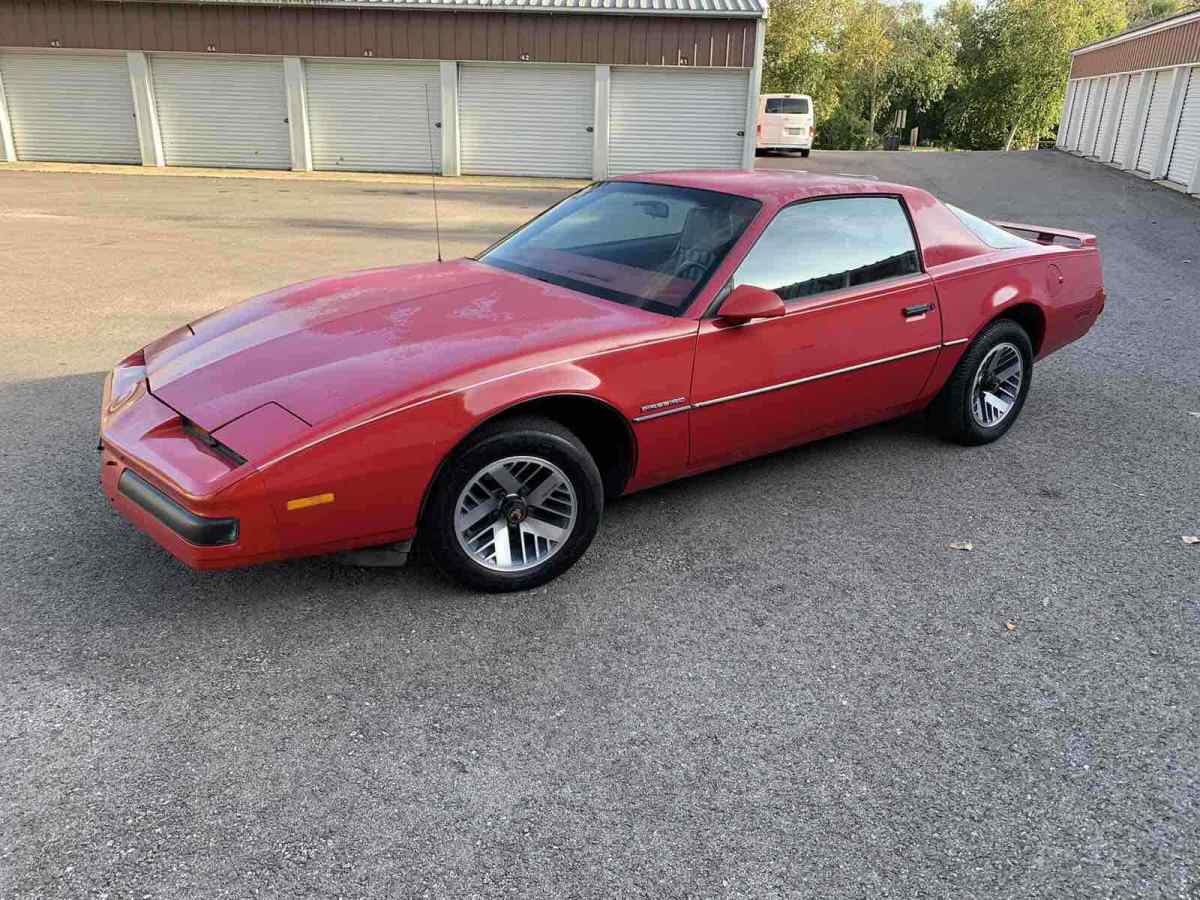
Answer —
983 75
1139 12
862 57
797 57
1013 63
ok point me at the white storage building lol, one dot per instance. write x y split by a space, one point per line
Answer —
567 88
1133 101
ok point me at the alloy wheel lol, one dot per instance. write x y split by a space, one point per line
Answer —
515 513
997 385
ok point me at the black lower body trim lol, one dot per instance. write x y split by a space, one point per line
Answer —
192 528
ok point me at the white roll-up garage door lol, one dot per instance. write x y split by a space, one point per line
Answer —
1186 150
374 117
527 120
1125 124
1156 122
676 119
1064 128
1077 111
70 108
1091 116
215 111
1104 115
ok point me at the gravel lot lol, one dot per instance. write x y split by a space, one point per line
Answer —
771 680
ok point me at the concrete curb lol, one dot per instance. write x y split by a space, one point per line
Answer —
457 182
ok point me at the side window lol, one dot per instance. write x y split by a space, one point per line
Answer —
826 245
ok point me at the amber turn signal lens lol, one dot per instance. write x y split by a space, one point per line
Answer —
305 502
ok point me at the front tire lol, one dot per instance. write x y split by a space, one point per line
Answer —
987 389
514 508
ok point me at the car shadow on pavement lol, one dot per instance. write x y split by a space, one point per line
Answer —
64 540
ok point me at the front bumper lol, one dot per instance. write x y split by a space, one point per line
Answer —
194 529
203 509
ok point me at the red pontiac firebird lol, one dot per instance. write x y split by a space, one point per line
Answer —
644 329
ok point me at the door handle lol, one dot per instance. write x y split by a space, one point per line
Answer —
918 310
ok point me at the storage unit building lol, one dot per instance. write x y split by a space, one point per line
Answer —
1133 101
557 88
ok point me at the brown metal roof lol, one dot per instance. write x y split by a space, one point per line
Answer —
1174 41
698 8
1164 22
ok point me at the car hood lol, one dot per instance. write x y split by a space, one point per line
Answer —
368 341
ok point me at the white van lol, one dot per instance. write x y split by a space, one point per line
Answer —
785 122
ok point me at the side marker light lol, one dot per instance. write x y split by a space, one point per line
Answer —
305 502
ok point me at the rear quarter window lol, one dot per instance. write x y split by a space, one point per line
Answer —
990 234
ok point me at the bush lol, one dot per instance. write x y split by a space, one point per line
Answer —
844 131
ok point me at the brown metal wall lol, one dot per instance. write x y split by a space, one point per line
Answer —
399 33
1170 47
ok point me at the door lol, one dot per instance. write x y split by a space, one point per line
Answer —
1091 116
1077 109
857 344
222 112
527 120
1079 114
1103 116
70 108
1186 151
1064 141
1125 124
374 116
676 119
1156 123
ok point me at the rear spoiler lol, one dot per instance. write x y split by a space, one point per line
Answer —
1043 235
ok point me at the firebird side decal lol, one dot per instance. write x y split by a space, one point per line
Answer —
663 404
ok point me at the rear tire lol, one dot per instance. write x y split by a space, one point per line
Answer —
804 153
987 389
514 508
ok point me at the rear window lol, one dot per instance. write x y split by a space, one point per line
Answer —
794 105
990 234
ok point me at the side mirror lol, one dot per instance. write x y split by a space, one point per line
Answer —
746 302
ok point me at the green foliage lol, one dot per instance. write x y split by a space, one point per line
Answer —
1014 58
845 130
985 74
1139 12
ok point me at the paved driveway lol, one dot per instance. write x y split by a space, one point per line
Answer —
774 679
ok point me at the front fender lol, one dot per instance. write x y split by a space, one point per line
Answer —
380 470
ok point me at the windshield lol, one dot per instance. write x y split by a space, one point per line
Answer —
990 234
652 246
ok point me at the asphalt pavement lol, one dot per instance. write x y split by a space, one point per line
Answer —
773 680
